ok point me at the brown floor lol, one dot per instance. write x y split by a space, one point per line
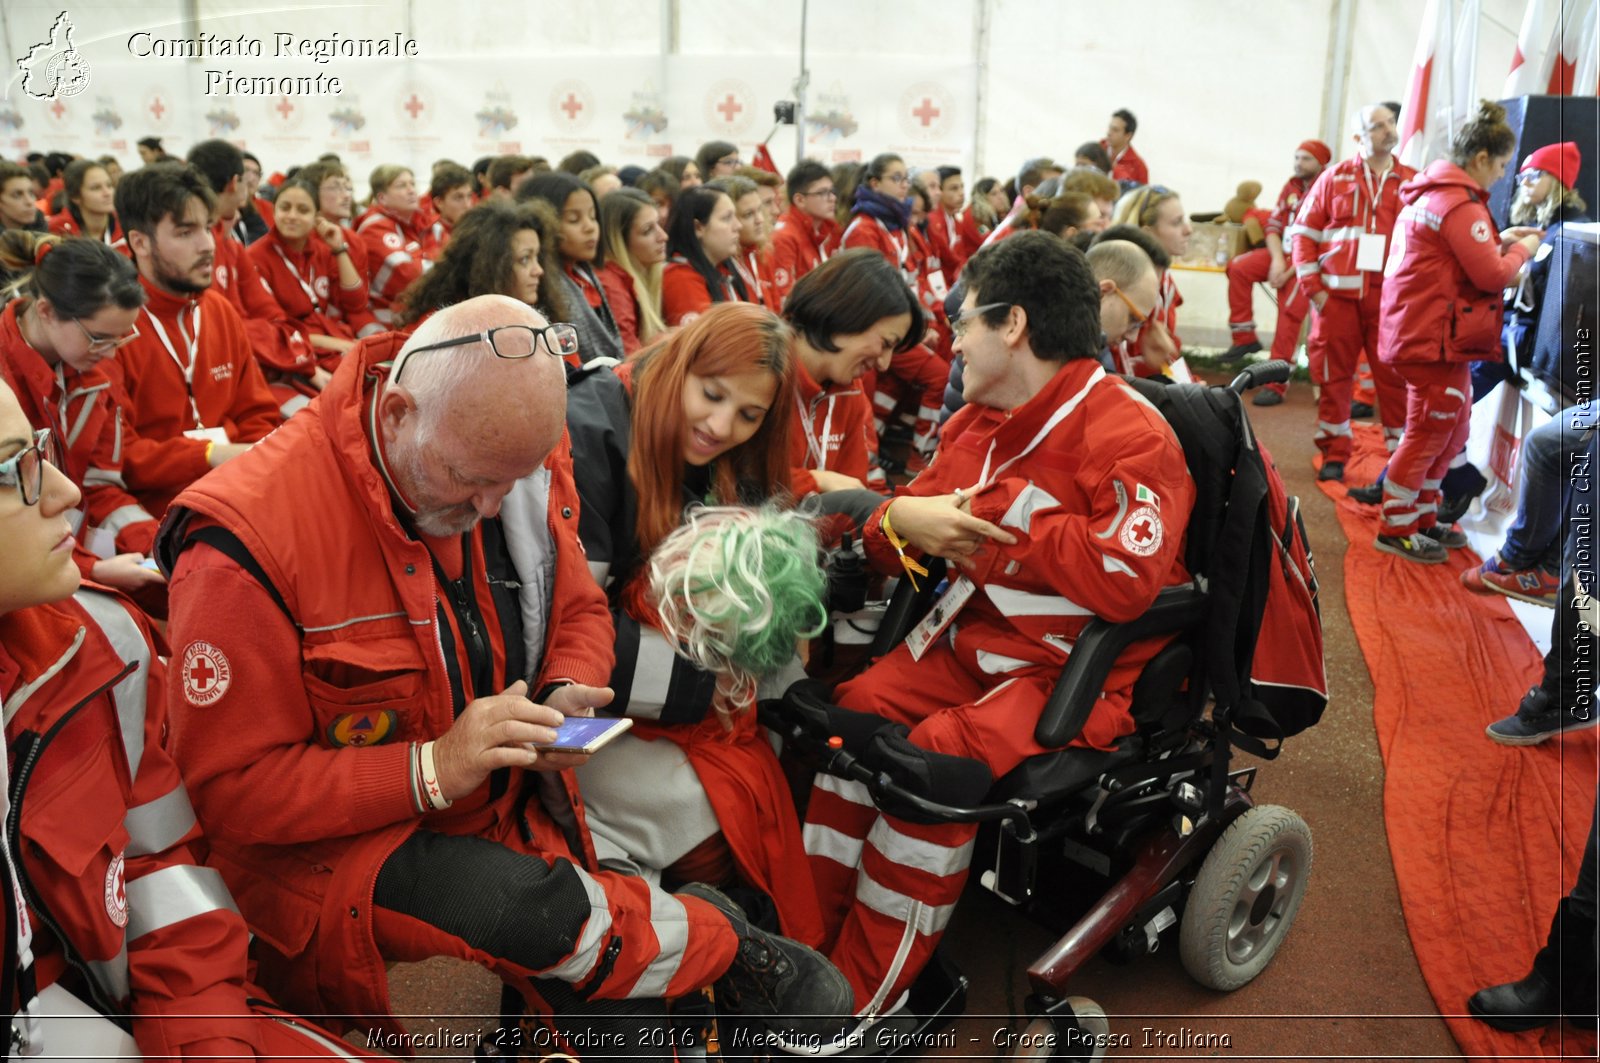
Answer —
1345 984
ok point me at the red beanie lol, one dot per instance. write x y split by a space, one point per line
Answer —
1317 150
1560 161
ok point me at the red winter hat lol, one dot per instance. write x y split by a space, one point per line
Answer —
1560 161
1317 150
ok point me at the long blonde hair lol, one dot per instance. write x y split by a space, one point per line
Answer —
617 214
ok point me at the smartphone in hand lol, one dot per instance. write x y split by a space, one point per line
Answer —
585 734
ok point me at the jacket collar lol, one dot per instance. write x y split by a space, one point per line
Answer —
167 304
36 645
24 363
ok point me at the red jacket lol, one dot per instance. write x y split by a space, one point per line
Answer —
302 815
106 843
755 263
971 235
1100 508
1346 202
308 288
66 224
1129 166
949 242
148 379
1445 275
910 255
684 295
1289 198
85 419
832 425
395 252
279 341
800 243
618 285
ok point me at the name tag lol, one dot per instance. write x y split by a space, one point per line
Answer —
939 617
209 435
1369 253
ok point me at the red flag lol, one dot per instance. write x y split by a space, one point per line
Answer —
762 160
1537 43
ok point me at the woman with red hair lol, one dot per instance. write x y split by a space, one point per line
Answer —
694 791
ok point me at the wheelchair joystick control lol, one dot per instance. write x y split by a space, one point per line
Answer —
847 578
835 742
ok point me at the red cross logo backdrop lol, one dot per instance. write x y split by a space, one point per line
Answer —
206 674
572 106
284 113
416 107
926 111
729 108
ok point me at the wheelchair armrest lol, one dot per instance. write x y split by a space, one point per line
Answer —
906 607
1098 648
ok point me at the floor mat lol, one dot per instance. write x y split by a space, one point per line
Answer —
1485 838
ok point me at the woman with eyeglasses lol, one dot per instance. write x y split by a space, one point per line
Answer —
694 791
881 221
702 243
754 260
636 247
1158 211
336 202
495 249
305 260
77 304
89 207
580 255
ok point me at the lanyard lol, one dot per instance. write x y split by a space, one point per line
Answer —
1062 413
754 276
1374 193
819 451
191 345
310 293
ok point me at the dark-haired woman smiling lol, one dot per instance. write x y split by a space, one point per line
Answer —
702 241
578 246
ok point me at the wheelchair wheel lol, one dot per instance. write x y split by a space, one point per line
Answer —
1245 898
1050 1036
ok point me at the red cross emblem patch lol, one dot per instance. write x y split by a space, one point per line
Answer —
117 892
206 674
1141 532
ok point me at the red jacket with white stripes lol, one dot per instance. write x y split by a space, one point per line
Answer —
86 421
1128 166
149 383
800 243
1445 275
308 288
1092 481
278 340
106 837
944 233
396 251
1346 202
831 431
1293 192
66 224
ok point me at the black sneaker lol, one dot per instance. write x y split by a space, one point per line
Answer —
1239 351
1331 470
1360 411
1415 547
1367 494
792 990
1266 397
1447 536
1540 716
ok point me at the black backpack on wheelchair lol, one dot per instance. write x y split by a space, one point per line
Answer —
1115 847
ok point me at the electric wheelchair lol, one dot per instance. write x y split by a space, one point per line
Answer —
1115 849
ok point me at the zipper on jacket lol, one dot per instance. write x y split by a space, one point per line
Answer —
30 760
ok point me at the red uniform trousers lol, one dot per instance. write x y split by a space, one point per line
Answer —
923 373
881 879
1438 418
1244 272
1339 333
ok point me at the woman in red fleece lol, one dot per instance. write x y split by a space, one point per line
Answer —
635 247
702 240
89 209
305 259
1442 310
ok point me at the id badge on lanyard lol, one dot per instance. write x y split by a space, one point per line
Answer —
1371 247
186 368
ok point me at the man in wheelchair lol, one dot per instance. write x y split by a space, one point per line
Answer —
1058 495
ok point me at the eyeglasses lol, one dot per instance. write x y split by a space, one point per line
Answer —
1529 177
507 341
728 160
825 193
1139 317
964 320
897 178
106 343
24 470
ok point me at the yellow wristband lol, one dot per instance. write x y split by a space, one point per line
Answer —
913 569
209 445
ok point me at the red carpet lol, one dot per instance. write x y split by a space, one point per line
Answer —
1485 838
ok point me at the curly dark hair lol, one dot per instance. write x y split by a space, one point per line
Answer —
477 261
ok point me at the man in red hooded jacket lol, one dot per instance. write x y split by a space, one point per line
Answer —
407 547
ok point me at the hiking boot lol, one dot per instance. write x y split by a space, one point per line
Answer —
1533 585
1562 981
1239 351
1266 397
1360 411
1414 547
1447 536
1331 470
1367 494
790 989
1526 1004
1540 716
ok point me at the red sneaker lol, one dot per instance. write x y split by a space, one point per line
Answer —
1533 585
